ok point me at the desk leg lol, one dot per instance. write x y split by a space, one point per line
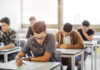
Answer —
92 58
95 57
72 62
82 61
5 57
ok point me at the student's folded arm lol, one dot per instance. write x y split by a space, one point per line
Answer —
90 38
11 45
69 46
7 46
58 45
44 58
61 45
76 46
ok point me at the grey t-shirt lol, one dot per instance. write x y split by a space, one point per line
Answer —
49 45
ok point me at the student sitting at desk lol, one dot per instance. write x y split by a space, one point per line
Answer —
30 32
87 34
42 45
69 39
7 35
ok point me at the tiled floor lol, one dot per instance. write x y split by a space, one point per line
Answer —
88 63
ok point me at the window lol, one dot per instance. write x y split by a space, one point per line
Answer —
11 9
45 10
75 11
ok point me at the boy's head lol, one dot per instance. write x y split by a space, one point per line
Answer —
39 30
32 20
85 25
5 24
67 29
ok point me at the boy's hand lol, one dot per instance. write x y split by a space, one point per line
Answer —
19 62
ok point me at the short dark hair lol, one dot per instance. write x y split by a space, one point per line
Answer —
86 23
39 27
6 20
67 27
32 18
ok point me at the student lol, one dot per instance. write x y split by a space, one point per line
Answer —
87 34
7 35
30 32
42 45
69 39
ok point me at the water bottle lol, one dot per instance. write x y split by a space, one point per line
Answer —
1 44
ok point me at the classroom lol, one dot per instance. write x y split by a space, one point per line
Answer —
49 35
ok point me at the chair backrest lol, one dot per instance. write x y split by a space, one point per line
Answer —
98 42
22 43
58 56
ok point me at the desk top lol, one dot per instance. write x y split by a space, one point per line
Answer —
29 65
96 36
5 50
69 51
23 39
90 43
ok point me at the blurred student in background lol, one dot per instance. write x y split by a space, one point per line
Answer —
30 31
7 36
87 35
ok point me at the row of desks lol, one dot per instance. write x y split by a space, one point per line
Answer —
69 53
27 65
93 45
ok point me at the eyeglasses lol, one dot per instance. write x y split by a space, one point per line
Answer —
41 38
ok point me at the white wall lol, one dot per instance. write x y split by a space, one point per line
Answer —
45 10
11 9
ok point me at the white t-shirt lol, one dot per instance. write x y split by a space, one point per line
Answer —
67 40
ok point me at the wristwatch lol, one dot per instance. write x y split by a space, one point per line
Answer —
29 59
